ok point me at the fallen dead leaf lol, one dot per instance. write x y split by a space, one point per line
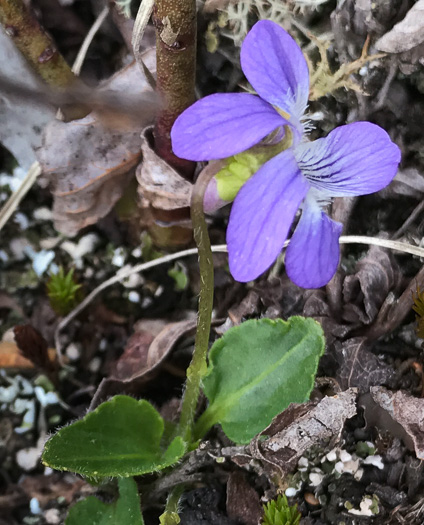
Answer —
88 164
407 34
34 347
141 360
159 182
399 413
243 503
359 367
48 488
164 198
11 357
364 292
301 427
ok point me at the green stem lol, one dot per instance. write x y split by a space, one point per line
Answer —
170 516
175 22
197 366
39 50
205 422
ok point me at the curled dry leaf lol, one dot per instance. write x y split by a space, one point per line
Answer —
87 163
407 34
145 352
375 276
399 413
301 427
160 184
359 367
164 198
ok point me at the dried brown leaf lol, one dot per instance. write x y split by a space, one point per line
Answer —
375 276
87 163
359 367
301 427
407 34
34 347
159 183
141 360
11 357
243 503
399 413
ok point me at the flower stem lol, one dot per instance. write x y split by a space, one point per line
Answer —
197 366
170 516
39 50
175 22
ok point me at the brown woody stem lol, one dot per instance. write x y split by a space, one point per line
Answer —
175 22
39 50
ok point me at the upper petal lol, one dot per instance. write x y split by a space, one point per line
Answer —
222 125
312 256
262 214
276 68
355 159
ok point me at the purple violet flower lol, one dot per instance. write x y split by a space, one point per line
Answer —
355 159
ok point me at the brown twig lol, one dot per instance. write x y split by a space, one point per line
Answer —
175 23
39 50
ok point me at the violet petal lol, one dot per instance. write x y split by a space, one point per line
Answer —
222 125
276 68
262 214
355 159
312 256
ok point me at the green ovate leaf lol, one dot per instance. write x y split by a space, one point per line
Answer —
120 438
256 370
125 510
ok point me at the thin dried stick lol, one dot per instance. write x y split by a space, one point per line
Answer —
221 248
14 200
76 68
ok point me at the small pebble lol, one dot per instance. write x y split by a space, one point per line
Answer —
376 461
311 499
34 506
290 492
22 220
118 258
134 297
315 478
52 516
95 364
303 462
27 458
345 456
332 455
43 214
73 352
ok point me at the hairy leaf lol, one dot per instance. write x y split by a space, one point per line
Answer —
120 438
256 370
126 509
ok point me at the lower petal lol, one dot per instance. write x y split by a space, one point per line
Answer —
262 214
313 254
